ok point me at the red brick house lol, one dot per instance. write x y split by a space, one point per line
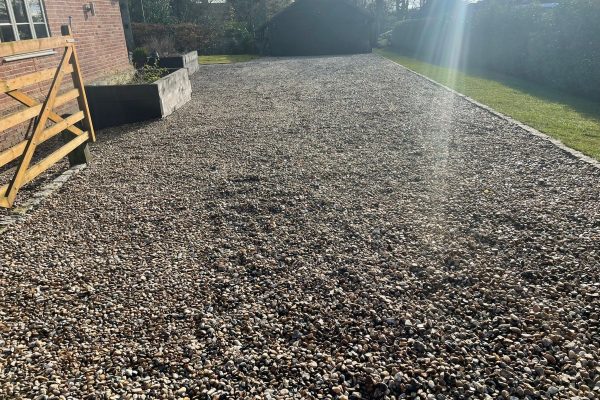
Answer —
100 41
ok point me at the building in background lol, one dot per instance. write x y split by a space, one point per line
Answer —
317 27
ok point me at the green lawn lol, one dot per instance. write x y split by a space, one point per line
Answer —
572 120
226 59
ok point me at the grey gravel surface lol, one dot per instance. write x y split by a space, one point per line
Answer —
310 228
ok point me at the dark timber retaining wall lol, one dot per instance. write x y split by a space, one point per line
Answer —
187 60
113 105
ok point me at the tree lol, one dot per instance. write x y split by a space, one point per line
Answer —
402 8
183 10
441 7
256 12
151 11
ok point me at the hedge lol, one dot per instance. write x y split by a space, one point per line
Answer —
559 46
230 38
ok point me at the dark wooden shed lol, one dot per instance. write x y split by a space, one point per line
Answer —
317 27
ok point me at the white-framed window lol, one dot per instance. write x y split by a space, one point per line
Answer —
22 20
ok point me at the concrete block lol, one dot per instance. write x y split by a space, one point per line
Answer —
174 91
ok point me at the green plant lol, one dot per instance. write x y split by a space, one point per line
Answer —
556 46
163 45
151 11
238 38
148 74
184 37
384 39
228 38
139 57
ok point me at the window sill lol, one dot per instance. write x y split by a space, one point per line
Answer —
34 54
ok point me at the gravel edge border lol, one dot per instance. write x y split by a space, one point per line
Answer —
575 153
22 212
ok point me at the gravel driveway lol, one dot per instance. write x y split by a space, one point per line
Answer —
329 227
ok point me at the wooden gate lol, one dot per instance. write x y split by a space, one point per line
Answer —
46 122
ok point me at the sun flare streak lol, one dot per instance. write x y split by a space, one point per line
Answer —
443 42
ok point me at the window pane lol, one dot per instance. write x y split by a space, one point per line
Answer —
3 11
6 33
36 10
20 11
24 32
40 31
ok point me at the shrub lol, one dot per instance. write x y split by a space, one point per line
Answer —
149 74
407 35
237 38
230 38
162 45
431 39
139 57
384 40
501 35
567 50
556 46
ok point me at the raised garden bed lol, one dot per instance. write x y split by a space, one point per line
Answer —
113 105
187 60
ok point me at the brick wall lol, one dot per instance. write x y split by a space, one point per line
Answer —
100 46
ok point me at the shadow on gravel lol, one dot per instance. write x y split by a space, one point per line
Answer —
109 134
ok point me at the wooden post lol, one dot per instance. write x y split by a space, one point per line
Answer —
78 82
81 154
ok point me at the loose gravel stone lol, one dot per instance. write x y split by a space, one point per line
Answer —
325 227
